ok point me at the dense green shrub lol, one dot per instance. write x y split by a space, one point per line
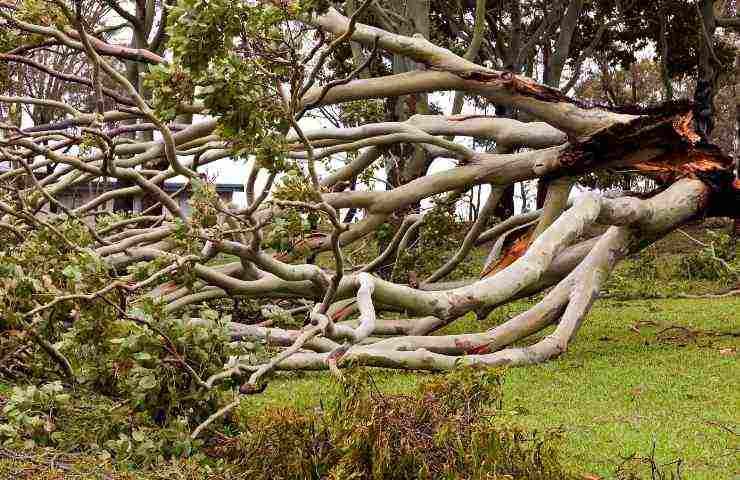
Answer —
713 262
655 273
30 414
447 429
128 349
636 277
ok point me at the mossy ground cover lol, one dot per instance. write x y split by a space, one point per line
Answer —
650 377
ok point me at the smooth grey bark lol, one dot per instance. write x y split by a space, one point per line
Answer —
569 302
707 59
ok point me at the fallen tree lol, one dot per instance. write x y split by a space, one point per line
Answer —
252 78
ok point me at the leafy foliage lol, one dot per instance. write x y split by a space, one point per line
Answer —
654 273
137 353
438 239
24 281
447 429
714 261
171 85
232 54
30 413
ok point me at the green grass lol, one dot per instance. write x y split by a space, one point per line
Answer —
616 391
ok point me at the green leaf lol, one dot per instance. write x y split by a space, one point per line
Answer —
148 382
72 272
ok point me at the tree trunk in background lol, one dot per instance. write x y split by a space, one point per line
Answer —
404 162
145 13
523 193
561 52
705 85
411 161
541 194
667 85
554 63
505 207
126 204
512 63
735 233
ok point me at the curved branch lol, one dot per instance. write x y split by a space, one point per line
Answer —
504 131
447 71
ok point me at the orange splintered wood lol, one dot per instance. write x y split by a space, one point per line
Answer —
480 350
15 333
169 287
695 159
681 164
684 126
513 253
343 313
675 165
690 158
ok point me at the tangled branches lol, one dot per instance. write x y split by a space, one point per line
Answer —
111 297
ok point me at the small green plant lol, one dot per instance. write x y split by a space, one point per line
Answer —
279 316
715 261
146 445
634 279
289 229
438 239
151 371
31 413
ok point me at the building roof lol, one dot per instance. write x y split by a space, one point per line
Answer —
168 186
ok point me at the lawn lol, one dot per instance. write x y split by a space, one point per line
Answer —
622 387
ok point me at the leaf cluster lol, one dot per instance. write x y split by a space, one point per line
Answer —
233 55
30 415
